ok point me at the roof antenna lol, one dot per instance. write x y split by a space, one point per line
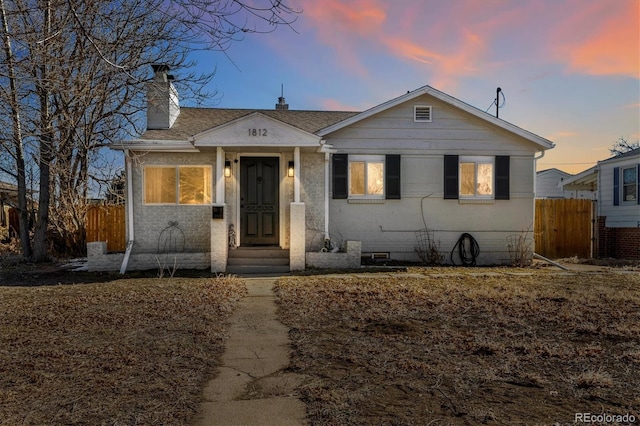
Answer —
496 101
281 103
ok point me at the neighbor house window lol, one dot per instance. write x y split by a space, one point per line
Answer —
177 185
629 184
476 177
366 176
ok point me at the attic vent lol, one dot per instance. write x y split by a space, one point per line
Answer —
422 113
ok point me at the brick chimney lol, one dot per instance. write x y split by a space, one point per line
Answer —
281 104
162 99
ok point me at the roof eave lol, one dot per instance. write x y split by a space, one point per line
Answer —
585 177
155 145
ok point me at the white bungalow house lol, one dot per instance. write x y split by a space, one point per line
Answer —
617 183
214 188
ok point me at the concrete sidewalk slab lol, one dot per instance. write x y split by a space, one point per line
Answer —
251 387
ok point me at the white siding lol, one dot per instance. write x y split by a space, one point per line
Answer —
627 214
391 225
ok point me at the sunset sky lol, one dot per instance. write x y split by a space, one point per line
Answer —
569 69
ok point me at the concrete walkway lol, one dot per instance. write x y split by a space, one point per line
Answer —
251 387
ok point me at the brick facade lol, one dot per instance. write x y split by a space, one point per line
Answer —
618 243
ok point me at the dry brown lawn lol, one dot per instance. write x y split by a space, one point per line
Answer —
456 347
127 352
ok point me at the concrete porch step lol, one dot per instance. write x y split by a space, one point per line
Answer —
259 252
258 261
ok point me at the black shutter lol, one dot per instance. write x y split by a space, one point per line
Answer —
502 177
451 177
616 186
340 176
392 177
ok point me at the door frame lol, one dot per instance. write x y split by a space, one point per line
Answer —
281 195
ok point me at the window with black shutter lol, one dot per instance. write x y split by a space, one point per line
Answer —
476 177
366 177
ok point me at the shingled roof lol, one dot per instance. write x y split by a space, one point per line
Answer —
193 121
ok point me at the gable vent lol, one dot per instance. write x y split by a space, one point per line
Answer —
422 113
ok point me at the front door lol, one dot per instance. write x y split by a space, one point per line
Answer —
259 201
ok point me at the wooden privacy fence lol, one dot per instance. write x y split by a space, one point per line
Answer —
107 223
564 227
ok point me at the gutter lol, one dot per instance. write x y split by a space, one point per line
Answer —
127 254
327 150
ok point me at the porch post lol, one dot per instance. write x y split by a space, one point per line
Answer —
296 179
219 176
219 225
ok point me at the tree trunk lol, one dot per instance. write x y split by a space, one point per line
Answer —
40 252
17 139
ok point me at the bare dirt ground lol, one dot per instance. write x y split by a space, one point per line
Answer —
110 351
465 346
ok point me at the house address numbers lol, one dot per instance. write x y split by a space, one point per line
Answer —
257 132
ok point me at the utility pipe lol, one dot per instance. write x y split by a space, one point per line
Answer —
537 256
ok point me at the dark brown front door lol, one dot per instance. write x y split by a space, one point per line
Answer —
259 200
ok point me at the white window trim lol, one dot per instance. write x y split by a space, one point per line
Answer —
415 109
366 159
477 159
622 184
177 183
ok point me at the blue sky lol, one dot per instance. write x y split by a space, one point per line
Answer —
569 69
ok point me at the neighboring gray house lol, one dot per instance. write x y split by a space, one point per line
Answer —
211 188
549 185
617 183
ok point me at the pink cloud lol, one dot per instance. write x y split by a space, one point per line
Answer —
336 105
456 39
343 25
602 38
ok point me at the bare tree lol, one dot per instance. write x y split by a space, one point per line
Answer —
72 78
622 145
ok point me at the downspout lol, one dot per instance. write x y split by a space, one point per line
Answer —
127 254
535 190
326 195
535 167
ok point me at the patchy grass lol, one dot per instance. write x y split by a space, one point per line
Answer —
464 346
132 351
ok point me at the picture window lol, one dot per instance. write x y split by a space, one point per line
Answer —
177 185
